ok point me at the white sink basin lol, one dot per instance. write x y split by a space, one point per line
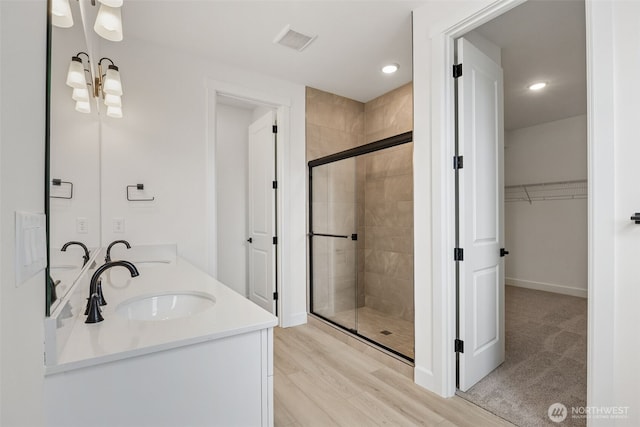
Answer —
166 306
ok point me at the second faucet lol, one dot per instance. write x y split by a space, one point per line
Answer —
108 257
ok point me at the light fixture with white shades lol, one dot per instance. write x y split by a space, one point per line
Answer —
61 14
108 23
76 74
110 80
80 95
76 78
106 85
109 86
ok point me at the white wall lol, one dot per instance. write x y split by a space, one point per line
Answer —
22 139
626 283
485 46
162 142
554 151
232 138
547 240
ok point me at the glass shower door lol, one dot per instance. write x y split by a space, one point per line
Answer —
333 242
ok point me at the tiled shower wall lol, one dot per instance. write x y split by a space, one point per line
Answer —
333 124
384 197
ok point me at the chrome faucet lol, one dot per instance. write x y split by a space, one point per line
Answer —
86 251
95 289
108 257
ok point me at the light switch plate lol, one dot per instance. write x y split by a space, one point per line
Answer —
31 245
118 225
82 225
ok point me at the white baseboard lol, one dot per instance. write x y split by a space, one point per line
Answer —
294 320
548 287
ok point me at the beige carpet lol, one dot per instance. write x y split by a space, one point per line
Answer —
545 363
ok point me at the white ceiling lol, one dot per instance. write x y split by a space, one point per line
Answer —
355 38
541 40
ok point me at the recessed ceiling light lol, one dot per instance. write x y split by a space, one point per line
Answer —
390 69
537 86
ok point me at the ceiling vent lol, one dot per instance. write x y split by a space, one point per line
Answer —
293 39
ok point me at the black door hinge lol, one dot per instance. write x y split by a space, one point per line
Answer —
458 254
457 71
275 296
275 240
457 162
354 237
458 346
503 252
274 184
275 128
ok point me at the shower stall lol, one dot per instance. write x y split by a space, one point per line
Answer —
361 242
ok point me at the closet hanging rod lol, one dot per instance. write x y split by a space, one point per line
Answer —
553 190
578 181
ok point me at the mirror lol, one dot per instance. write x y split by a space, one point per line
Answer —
164 139
73 208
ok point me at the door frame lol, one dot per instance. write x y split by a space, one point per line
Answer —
282 107
601 182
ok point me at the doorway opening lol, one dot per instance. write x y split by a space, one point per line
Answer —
247 256
537 219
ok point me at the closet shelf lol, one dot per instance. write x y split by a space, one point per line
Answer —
559 190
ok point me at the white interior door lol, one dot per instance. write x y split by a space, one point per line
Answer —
262 272
481 216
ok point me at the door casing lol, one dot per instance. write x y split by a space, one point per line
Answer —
282 107
439 374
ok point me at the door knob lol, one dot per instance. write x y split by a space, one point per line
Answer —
503 252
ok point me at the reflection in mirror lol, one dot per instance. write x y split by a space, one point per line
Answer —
166 138
74 165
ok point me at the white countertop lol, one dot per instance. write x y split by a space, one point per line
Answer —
118 338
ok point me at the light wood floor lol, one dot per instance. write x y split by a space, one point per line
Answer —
321 381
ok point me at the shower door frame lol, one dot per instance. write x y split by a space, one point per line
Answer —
372 147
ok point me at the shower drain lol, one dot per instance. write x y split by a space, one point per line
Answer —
385 332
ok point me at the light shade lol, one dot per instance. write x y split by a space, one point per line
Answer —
81 95
114 112
112 100
75 75
61 14
109 23
112 3
112 84
83 107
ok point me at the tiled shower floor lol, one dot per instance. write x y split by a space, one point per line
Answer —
376 326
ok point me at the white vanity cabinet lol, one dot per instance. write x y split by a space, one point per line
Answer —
212 368
223 382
